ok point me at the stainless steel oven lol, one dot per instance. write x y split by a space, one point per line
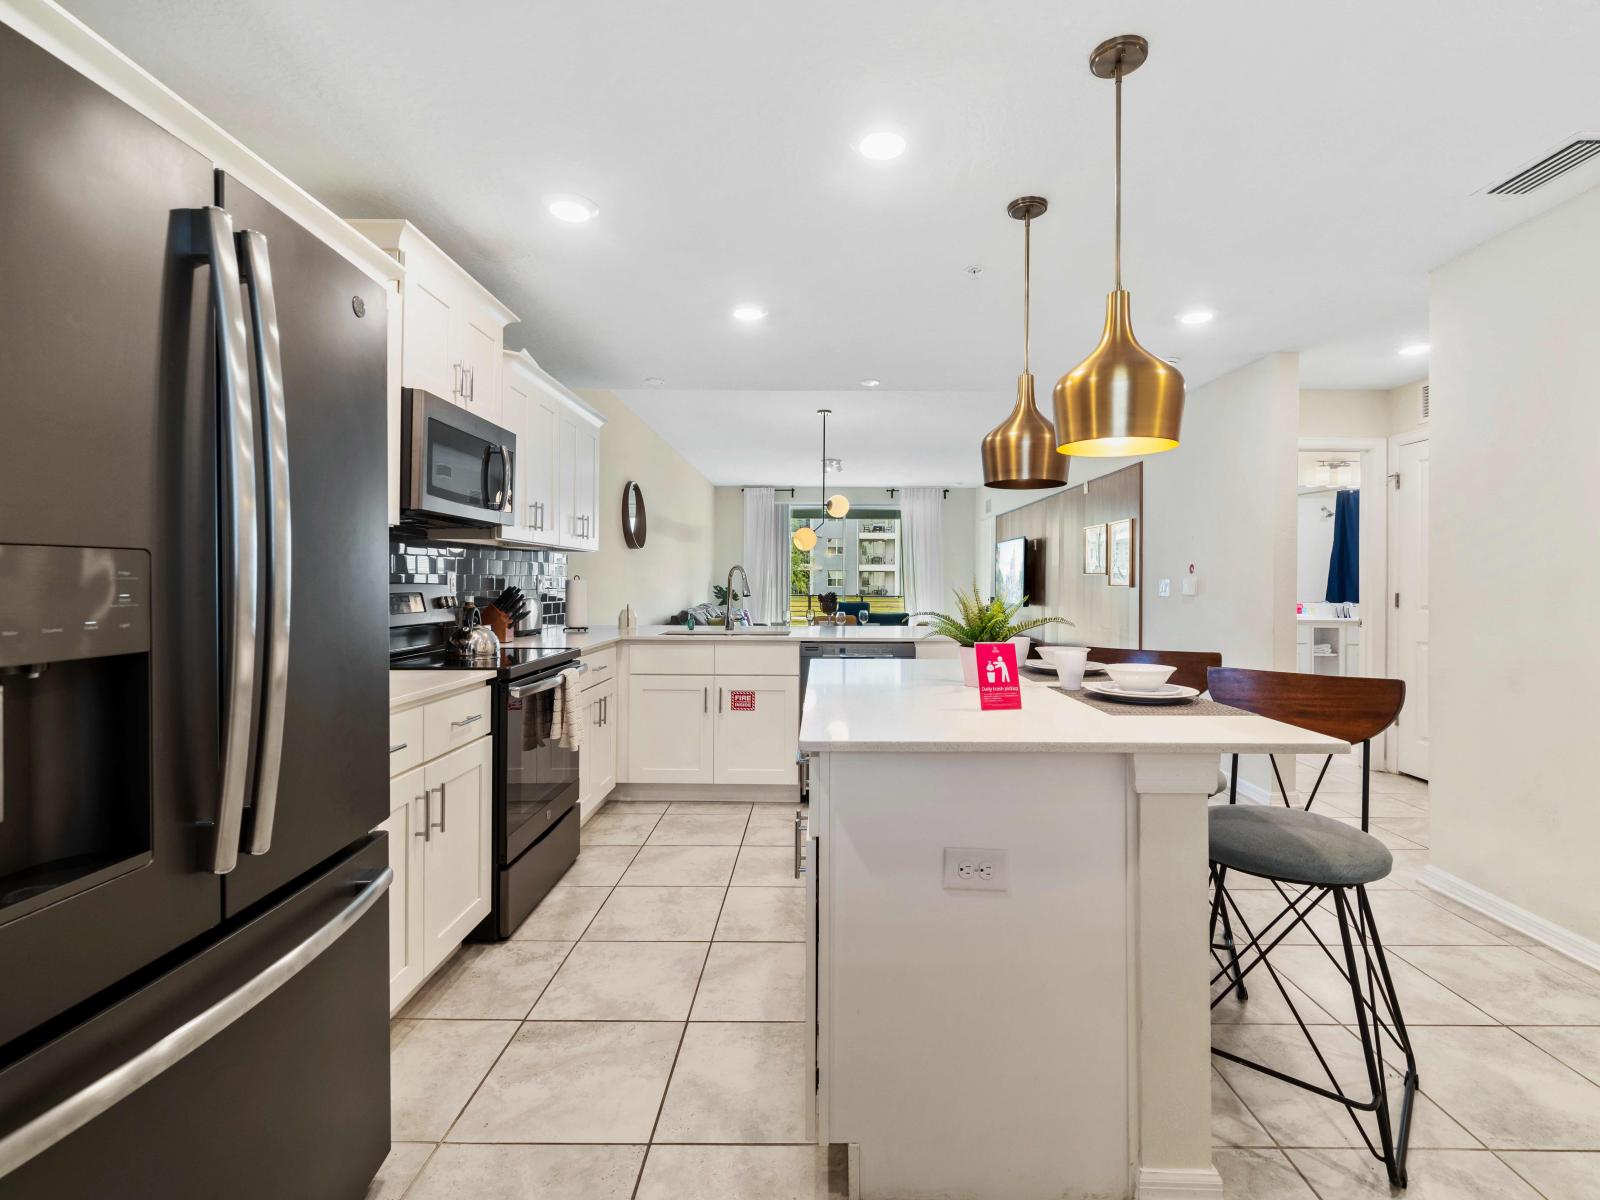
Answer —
455 468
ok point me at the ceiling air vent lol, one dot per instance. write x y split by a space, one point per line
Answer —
1557 162
1424 402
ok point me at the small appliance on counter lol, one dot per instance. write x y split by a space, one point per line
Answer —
535 808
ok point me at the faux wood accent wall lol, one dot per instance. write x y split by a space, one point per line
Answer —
1102 615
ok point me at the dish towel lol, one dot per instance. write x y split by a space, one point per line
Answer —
569 711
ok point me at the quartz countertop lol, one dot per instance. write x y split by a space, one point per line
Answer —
921 705
407 688
597 637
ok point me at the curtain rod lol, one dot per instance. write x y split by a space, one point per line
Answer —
775 490
890 492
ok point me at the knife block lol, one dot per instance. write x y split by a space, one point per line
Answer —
500 623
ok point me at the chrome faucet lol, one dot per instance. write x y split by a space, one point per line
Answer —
727 620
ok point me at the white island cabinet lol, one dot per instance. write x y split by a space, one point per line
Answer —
1041 1029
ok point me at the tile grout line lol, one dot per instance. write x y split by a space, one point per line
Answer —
666 1087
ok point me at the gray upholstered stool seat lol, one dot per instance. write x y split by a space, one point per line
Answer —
1295 846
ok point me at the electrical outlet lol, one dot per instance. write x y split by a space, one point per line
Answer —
1164 588
973 870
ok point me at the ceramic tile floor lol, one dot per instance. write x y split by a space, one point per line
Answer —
642 1037
1506 1032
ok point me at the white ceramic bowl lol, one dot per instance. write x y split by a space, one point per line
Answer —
1139 677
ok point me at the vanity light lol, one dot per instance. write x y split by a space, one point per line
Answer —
572 209
881 145
1021 451
1197 316
1121 399
1415 349
749 312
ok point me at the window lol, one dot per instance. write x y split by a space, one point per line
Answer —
857 557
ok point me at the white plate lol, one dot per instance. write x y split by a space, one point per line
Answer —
1167 693
1094 668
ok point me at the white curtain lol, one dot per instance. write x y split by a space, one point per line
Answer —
766 557
922 548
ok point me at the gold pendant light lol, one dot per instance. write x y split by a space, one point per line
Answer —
1021 451
1122 399
836 506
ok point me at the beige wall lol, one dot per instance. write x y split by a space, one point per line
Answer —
1339 412
674 569
728 541
1514 504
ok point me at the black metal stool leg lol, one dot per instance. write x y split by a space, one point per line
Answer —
1219 910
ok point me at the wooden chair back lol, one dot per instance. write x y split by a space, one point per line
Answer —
1351 708
1191 664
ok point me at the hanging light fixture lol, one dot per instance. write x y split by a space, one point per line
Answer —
1021 451
835 506
1121 399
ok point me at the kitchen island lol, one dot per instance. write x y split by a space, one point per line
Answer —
1010 955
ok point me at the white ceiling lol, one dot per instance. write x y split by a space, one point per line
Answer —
1298 168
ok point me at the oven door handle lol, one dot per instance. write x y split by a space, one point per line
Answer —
533 689
73 1113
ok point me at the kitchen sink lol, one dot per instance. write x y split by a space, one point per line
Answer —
719 631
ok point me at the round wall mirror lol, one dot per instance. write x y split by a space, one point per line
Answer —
633 519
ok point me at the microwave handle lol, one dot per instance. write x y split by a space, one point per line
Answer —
495 498
210 237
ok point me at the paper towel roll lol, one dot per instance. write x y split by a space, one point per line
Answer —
577 603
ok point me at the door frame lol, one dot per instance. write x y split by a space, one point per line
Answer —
1374 456
1391 755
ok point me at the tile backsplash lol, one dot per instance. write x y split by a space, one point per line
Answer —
482 572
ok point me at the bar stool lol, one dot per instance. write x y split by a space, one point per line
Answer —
1322 858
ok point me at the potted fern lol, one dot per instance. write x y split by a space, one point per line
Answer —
981 621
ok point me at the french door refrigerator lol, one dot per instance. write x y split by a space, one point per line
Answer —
193 688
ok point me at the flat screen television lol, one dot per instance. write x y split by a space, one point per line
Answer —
1016 571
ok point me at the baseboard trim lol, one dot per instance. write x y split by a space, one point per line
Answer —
728 793
1574 945
1170 1183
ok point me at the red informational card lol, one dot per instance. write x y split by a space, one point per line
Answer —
998 686
742 701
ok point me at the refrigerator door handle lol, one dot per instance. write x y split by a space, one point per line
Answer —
210 234
256 269
73 1113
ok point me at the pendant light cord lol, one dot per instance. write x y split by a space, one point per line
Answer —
1118 242
1027 266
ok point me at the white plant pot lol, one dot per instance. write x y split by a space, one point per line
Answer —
969 666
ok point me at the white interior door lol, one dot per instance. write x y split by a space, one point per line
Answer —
1411 604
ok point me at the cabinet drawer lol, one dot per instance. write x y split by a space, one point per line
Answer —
405 740
651 659
454 721
748 659
602 666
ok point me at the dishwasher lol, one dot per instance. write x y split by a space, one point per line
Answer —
857 648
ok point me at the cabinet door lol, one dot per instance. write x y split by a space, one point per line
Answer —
605 745
588 757
758 729
405 893
516 414
429 359
586 486
567 524
670 728
481 340
456 852
536 446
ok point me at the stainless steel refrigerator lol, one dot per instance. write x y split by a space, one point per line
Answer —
193 687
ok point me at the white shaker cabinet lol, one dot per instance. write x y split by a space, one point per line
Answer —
671 728
456 848
452 328
597 765
404 828
558 458
757 719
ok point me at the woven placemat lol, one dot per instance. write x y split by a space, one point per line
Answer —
1116 708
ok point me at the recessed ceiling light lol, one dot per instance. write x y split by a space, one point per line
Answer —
881 145
871 382
1415 349
572 209
1196 316
655 381
749 312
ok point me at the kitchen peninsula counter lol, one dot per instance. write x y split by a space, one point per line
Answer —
1050 1036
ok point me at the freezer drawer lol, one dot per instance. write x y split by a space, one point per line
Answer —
289 1099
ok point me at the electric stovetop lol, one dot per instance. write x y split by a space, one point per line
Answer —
513 663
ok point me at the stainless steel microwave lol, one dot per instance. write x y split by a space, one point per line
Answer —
455 468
